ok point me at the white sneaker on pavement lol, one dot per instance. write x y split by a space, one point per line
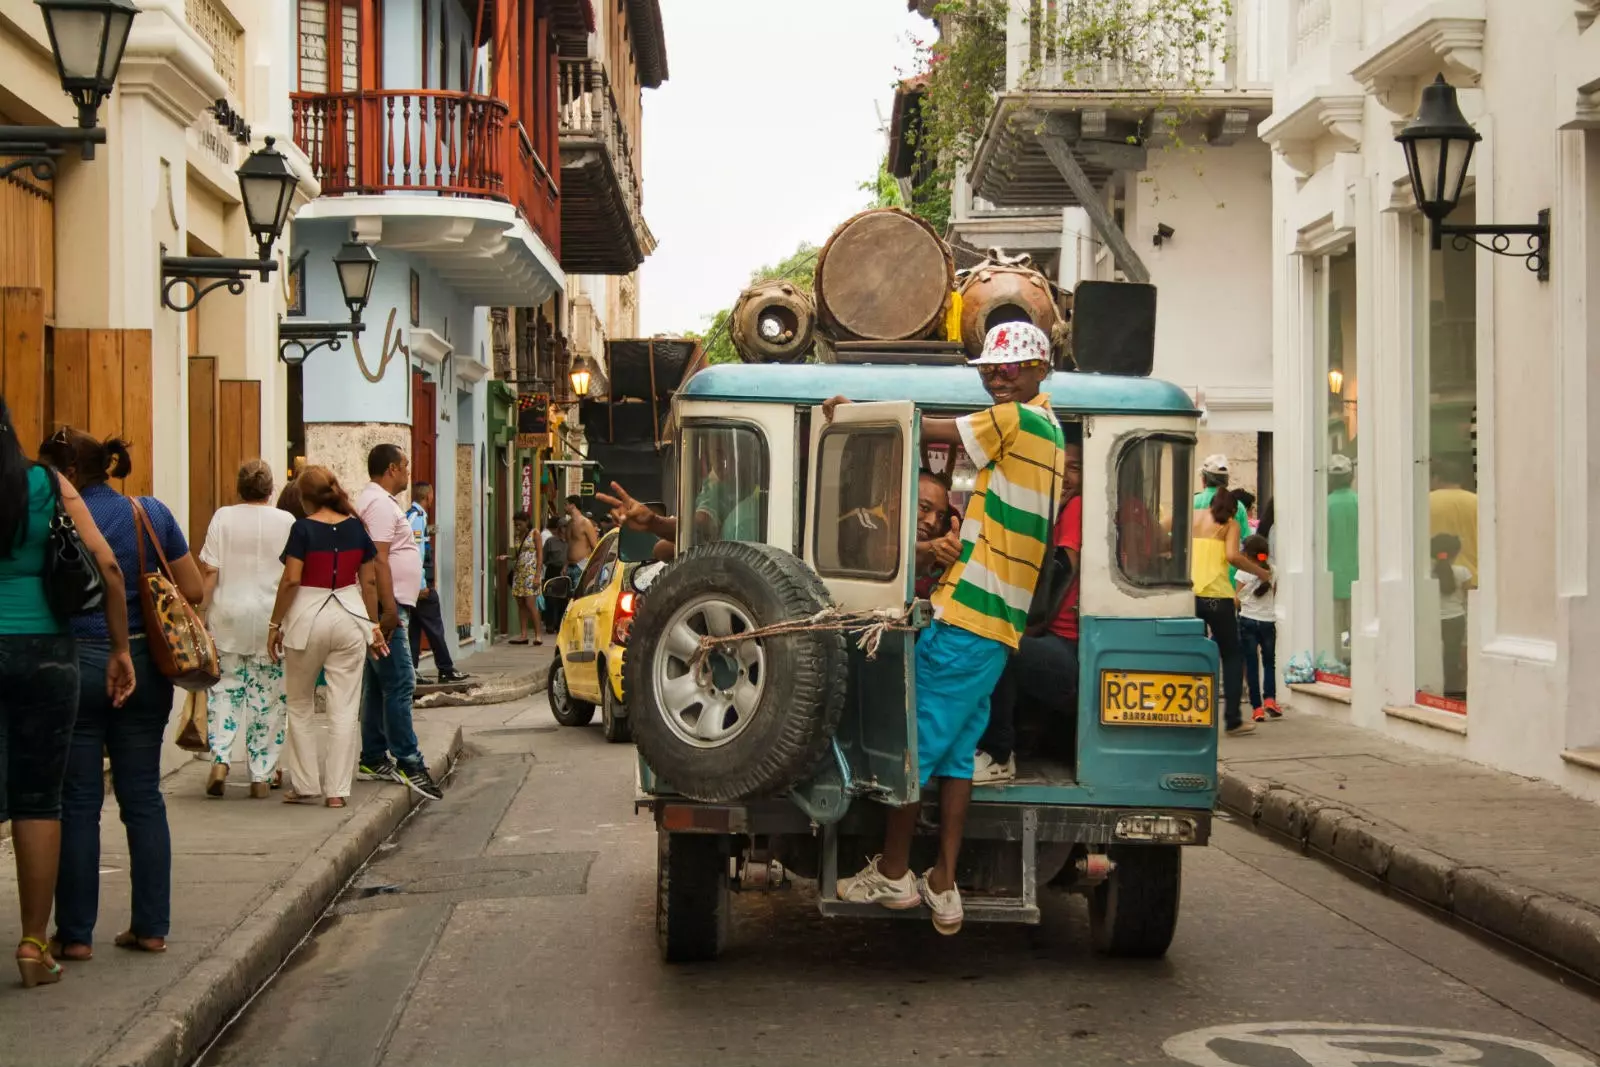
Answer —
946 906
871 886
985 771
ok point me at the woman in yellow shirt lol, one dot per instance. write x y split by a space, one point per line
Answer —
1215 549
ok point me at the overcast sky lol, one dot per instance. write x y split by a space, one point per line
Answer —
759 138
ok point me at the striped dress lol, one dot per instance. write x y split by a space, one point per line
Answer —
1018 449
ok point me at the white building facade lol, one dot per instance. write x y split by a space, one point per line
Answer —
1424 395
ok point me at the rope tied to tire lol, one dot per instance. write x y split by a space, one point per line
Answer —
868 627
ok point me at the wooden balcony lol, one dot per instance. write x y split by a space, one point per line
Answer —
602 225
427 141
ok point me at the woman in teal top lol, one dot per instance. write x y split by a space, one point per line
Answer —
39 683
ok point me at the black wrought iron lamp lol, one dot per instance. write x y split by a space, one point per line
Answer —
266 185
87 38
357 265
1438 144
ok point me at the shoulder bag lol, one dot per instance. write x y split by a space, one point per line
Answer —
180 646
72 582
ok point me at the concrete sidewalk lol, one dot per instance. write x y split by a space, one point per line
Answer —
250 877
501 673
1513 856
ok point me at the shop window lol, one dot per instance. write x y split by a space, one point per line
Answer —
859 486
1339 443
725 496
1154 509
1447 482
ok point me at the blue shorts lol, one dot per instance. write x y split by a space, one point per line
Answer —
956 673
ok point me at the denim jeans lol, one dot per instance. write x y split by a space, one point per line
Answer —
131 736
38 702
386 712
428 618
1260 659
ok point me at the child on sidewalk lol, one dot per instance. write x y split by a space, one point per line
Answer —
1258 628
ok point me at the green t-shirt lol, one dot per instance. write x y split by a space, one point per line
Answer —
23 608
1344 541
736 520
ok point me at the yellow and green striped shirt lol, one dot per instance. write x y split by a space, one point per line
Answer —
1004 539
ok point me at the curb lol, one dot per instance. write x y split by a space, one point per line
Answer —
176 1027
1558 928
500 691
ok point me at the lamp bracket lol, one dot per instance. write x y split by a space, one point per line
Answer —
1537 235
186 271
41 146
310 336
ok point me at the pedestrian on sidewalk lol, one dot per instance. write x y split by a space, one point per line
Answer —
428 617
526 581
1217 548
324 620
39 681
389 749
241 563
131 735
553 556
1258 629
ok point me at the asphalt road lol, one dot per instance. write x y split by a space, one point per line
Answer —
513 923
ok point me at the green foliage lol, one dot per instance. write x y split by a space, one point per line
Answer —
885 189
798 268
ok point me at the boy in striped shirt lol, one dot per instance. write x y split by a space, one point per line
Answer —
980 607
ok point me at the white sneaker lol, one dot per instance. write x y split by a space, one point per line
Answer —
870 886
946 906
985 771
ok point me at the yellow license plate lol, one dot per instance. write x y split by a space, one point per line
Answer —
1148 698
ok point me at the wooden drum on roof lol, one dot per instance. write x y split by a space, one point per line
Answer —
884 276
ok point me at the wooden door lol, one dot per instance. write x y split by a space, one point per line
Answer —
22 364
424 430
205 444
100 382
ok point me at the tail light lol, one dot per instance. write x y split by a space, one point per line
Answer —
622 618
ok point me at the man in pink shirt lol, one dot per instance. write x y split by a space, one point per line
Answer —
389 750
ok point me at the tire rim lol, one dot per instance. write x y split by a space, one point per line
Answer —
708 704
559 698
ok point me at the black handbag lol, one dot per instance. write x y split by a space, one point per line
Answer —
72 582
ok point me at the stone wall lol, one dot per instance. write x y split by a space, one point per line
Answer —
343 447
1240 448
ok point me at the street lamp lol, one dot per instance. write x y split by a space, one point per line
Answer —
87 38
1336 382
1438 144
582 376
266 185
356 265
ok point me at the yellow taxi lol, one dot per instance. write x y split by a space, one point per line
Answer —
587 672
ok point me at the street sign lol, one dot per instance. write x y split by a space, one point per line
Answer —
1303 1044
527 488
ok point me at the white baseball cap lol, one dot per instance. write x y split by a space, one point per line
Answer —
1013 342
1216 463
1340 464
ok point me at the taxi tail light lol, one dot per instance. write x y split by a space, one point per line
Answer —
622 618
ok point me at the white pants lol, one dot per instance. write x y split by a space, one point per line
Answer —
336 647
250 697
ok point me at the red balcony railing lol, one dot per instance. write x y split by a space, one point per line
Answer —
426 141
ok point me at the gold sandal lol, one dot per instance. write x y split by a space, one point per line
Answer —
41 971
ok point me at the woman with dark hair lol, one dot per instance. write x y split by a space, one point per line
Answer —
1216 548
39 682
325 619
131 734
241 565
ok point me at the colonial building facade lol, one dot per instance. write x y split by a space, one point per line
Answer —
1424 394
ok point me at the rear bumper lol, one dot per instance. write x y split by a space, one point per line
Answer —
985 821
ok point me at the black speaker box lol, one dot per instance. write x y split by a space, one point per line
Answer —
1114 328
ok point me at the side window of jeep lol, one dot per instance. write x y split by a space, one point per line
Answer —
725 483
858 486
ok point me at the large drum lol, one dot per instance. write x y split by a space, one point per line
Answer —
884 275
995 294
773 322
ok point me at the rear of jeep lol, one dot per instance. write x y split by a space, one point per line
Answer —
770 673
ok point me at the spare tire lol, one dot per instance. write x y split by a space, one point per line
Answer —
750 719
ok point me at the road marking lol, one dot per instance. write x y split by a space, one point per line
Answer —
1352 1044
